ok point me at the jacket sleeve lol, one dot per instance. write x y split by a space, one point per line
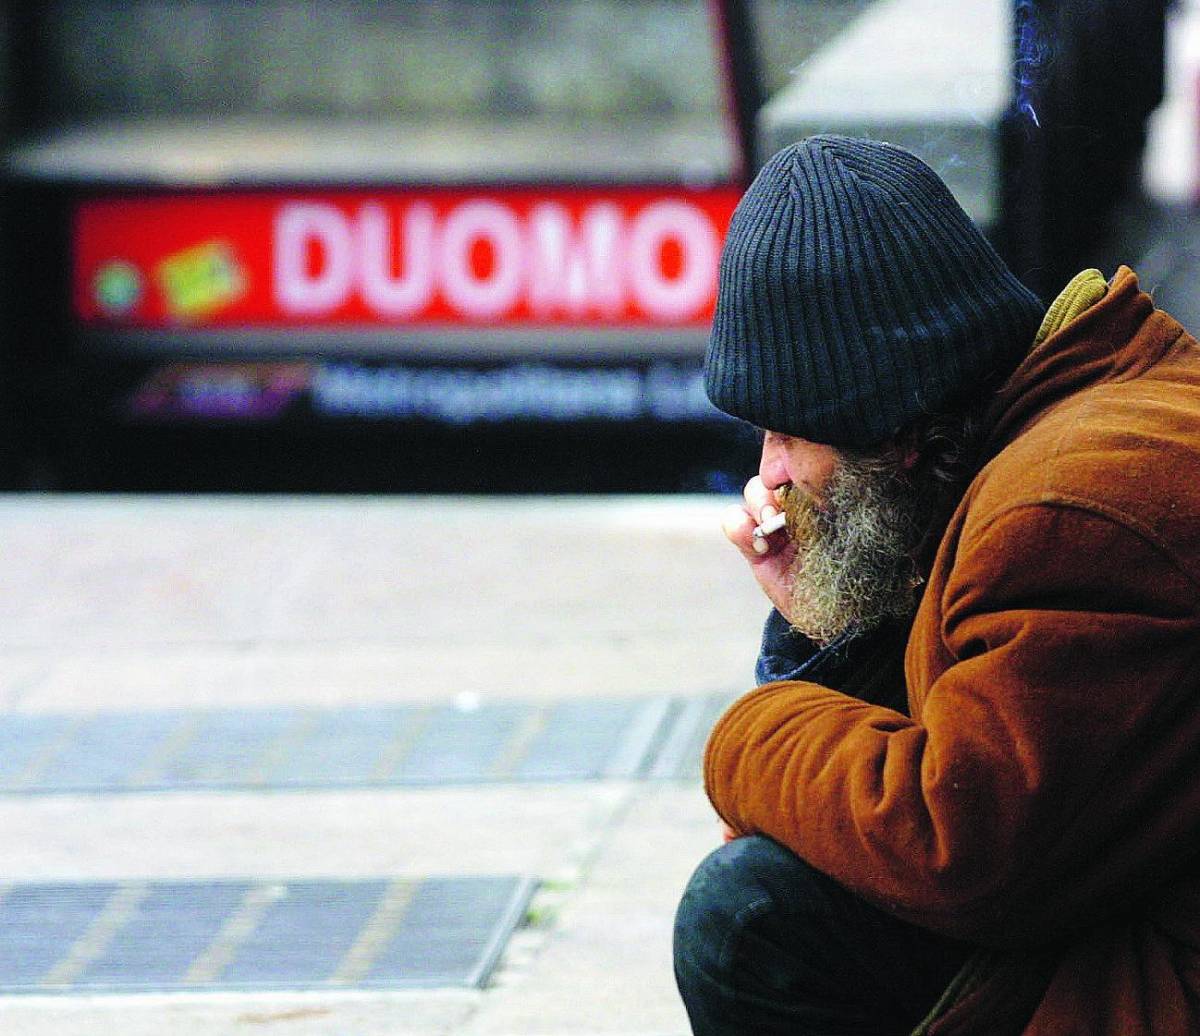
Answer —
1051 769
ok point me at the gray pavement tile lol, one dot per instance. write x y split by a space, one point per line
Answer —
605 965
105 571
507 829
438 1013
578 663
112 603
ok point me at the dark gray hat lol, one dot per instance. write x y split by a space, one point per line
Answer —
856 295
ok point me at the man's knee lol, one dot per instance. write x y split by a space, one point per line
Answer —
748 881
764 939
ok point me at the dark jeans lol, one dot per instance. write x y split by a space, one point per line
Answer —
765 944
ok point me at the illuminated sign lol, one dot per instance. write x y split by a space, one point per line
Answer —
449 394
216 391
519 392
628 257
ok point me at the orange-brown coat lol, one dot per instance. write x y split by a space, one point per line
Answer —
1042 800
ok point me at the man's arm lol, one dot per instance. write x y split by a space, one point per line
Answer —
1044 776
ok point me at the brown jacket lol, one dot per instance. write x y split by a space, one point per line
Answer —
1043 800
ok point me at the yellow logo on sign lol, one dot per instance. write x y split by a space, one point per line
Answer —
200 280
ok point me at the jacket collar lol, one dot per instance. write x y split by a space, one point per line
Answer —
1117 338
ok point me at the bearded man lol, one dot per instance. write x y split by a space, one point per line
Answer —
965 798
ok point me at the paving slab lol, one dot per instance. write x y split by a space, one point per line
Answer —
119 603
294 1014
585 664
606 965
530 829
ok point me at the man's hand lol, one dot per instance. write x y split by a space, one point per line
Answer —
772 560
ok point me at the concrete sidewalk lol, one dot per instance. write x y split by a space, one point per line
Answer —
183 603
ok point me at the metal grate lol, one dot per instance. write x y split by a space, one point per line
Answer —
255 935
565 740
682 749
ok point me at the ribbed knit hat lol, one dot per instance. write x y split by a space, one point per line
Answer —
856 295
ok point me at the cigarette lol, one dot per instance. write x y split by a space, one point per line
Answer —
773 524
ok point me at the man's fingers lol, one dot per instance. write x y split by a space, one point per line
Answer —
738 527
770 556
758 499
763 508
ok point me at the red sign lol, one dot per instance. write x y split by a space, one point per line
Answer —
513 258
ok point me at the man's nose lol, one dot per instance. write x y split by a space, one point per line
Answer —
772 464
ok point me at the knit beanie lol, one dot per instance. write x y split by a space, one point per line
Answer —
855 295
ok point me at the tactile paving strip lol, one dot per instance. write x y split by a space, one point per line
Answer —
261 748
254 935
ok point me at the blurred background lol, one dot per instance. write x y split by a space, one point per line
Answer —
364 606
470 246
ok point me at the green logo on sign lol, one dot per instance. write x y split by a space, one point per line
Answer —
118 287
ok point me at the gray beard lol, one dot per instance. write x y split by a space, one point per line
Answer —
854 566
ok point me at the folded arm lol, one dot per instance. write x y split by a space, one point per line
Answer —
1045 770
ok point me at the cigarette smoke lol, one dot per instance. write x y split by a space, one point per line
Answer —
1033 57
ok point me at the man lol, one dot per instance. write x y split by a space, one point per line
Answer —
966 798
